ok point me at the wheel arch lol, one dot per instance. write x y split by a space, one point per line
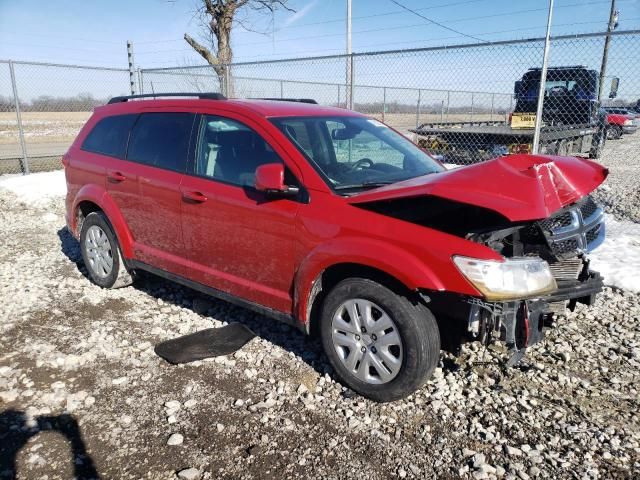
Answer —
387 264
92 198
334 274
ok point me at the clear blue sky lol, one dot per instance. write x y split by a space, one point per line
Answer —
95 32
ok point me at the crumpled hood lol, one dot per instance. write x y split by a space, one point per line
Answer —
519 187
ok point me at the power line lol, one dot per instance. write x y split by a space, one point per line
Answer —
395 27
436 23
337 20
411 42
459 20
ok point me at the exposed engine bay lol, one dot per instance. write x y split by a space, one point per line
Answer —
563 240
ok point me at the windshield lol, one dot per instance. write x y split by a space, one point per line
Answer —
353 153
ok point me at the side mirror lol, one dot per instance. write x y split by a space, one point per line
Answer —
517 88
615 83
344 133
270 180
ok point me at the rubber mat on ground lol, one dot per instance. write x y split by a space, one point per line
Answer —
211 342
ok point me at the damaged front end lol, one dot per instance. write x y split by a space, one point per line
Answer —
563 240
531 210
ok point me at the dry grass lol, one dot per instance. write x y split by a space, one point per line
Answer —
42 127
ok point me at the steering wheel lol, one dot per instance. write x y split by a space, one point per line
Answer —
558 90
361 163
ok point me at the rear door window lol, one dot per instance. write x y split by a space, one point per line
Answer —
161 140
109 136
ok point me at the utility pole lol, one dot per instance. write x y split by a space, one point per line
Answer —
349 76
543 81
132 70
613 23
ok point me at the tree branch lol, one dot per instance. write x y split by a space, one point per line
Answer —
204 52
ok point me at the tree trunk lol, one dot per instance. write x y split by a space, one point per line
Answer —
220 23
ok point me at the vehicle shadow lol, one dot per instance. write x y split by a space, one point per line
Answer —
71 249
16 431
277 333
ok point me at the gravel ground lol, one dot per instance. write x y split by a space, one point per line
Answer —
81 391
620 194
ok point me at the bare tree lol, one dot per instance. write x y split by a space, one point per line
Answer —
217 18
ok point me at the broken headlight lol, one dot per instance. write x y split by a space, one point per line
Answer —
511 279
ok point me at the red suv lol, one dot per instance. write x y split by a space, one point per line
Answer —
337 224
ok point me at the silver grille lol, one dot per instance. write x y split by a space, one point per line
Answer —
578 229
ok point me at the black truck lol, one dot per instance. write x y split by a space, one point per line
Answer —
572 121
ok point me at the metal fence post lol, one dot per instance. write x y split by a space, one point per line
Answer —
493 97
441 110
472 100
281 88
139 72
23 146
227 81
448 100
418 109
350 83
132 71
384 101
338 104
506 116
543 81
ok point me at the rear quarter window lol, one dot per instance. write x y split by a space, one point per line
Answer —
161 140
109 136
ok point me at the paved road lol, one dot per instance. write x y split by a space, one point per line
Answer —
46 149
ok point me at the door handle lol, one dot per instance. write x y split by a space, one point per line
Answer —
116 177
194 197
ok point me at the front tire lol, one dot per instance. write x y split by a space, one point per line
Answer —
380 343
597 145
101 253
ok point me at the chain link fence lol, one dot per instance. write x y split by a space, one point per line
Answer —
464 103
52 103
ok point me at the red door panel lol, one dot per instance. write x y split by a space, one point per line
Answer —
158 238
124 191
149 200
240 241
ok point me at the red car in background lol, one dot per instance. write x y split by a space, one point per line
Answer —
337 224
621 121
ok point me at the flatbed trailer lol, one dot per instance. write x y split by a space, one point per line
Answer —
472 142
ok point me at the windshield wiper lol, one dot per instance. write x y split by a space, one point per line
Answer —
368 184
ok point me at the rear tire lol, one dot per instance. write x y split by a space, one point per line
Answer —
396 352
101 253
563 148
614 132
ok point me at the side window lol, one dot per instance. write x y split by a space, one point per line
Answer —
161 140
230 151
299 133
109 136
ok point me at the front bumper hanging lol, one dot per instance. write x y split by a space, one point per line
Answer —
521 323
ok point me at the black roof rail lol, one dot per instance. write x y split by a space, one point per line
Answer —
200 95
299 100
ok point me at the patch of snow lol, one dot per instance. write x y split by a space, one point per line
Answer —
36 189
618 258
451 166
